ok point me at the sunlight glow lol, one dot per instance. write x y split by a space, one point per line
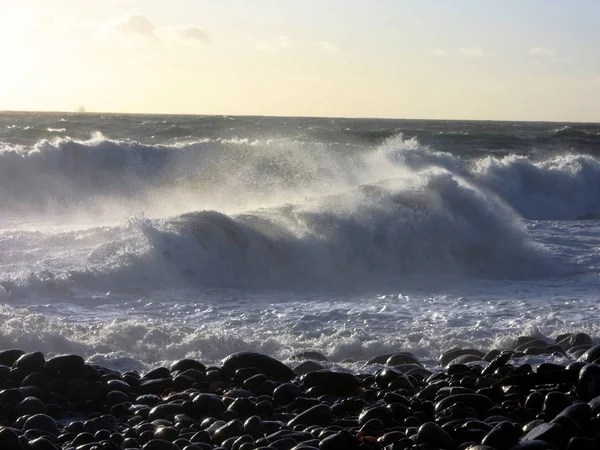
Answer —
430 59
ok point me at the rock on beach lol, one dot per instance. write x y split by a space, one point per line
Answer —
474 399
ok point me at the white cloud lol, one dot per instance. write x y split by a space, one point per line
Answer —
329 47
472 52
192 33
438 52
541 51
272 46
135 24
543 55
139 27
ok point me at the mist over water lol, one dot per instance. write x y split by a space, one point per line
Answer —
143 239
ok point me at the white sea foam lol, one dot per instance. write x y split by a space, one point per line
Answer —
135 254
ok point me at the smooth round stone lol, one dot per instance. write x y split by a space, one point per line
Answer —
286 393
238 442
491 355
82 439
194 374
165 410
9 438
580 412
41 422
382 413
255 383
237 393
283 444
570 427
10 395
502 436
201 437
116 397
148 400
309 354
585 353
232 428
554 403
547 432
332 383
37 379
454 353
65 364
380 359
590 355
209 405
480 403
9 357
155 386
432 433
254 427
76 387
298 436
271 367
465 359
42 443
245 446
407 369
385 376
31 406
245 372
588 385
157 374
166 433
30 362
540 343
104 422
118 385
402 358
391 437
160 444
306 367
582 443
4 373
243 408
373 427
182 382
317 415
186 364
535 401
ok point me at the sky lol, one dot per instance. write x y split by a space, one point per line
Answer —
429 59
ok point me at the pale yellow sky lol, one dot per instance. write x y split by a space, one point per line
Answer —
465 59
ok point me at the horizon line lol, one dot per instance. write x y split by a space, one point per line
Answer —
283 116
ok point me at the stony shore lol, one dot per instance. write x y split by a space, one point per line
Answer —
474 400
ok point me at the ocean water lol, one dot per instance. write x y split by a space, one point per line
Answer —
137 240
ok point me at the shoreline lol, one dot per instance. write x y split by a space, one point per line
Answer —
473 400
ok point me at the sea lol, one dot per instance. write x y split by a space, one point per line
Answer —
137 240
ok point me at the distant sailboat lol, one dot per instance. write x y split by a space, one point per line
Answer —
81 110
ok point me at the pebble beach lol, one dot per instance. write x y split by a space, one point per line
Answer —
471 400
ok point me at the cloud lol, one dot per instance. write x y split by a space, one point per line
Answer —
329 47
471 52
541 51
438 52
273 46
543 55
192 33
139 26
135 24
